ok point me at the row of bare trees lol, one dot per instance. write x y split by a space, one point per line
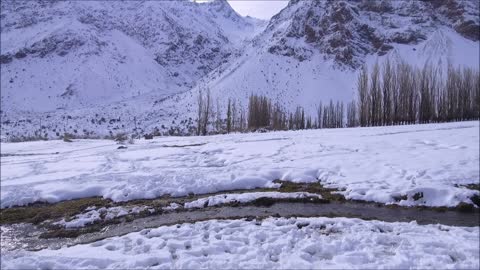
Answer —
401 94
259 112
391 94
206 117
331 116
262 113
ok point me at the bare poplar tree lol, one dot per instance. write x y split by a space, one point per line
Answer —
234 116
206 112
394 96
387 93
200 101
242 119
375 97
319 115
218 120
351 114
363 97
476 96
229 117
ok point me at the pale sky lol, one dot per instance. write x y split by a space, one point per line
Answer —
257 8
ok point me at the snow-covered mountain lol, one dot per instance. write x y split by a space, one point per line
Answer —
102 67
312 50
58 54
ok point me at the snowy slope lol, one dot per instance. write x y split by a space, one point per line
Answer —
383 164
83 53
276 243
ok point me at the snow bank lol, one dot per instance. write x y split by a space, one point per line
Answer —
407 165
172 206
281 243
93 215
246 197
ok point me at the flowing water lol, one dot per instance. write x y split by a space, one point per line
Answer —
26 236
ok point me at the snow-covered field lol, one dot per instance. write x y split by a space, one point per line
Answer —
272 243
379 164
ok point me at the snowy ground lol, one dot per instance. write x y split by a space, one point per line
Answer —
379 164
272 243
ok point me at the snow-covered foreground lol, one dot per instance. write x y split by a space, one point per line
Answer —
272 243
379 164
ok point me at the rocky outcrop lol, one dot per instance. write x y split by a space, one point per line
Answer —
348 30
462 15
468 29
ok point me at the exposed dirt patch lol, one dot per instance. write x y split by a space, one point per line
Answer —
65 233
39 212
27 154
473 186
185 145
476 200
327 193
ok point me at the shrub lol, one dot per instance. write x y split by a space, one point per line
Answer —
120 137
67 137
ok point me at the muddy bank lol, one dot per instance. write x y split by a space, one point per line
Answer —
40 212
31 237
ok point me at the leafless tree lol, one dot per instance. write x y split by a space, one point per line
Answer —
375 97
259 108
234 116
351 114
387 93
319 115
363 97
200 108
218 116
204 112
229 116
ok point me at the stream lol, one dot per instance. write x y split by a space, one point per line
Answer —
26 236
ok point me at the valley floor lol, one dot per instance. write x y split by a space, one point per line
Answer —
429 165
235 201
